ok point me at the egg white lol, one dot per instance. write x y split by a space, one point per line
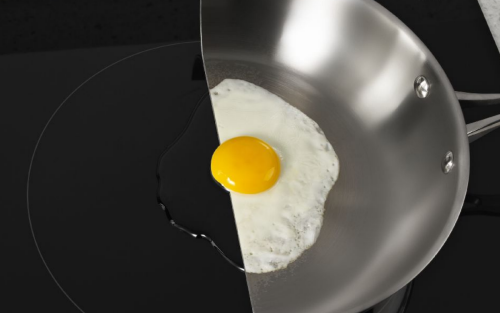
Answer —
276 226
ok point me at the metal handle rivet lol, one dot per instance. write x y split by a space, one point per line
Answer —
447 164
422 87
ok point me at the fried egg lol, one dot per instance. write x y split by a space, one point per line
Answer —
279 168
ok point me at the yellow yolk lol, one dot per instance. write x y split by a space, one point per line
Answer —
245 165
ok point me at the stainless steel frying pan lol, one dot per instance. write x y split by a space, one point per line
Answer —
393 118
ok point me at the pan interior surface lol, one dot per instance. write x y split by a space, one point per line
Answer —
351 66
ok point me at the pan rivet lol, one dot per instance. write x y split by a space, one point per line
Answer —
422 87
447 164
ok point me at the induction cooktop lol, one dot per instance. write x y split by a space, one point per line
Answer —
87 128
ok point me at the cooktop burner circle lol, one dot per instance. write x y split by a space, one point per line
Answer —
91 191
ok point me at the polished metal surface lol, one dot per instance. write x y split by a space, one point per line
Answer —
479 98
480 128
351 66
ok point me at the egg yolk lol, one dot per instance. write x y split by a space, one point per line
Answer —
245 165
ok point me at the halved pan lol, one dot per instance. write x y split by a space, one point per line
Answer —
391 115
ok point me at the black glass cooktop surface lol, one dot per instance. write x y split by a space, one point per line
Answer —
92 191
92 188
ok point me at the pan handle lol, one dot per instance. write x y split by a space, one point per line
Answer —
477 99
480 128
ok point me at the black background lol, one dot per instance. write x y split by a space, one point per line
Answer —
464 276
